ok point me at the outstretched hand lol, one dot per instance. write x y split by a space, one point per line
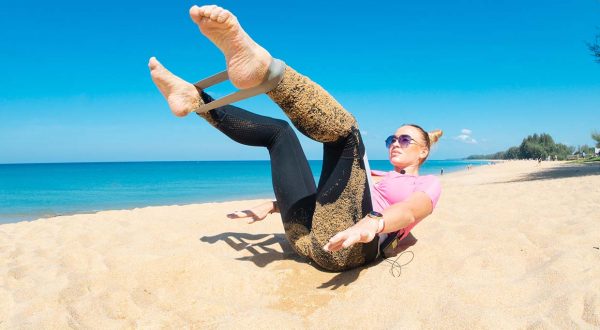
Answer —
256 213
363 231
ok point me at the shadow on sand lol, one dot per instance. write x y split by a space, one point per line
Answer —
565 171
261 246
263 250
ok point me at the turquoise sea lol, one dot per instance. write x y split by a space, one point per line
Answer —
31 191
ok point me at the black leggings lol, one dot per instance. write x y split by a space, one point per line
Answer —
311 215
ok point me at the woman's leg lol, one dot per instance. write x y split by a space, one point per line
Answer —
343 195
293 182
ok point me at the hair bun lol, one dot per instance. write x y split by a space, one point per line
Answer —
435 135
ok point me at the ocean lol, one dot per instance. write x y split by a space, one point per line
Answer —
31 191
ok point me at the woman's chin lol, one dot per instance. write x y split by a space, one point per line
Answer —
397 161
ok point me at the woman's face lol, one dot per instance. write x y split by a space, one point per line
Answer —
412 154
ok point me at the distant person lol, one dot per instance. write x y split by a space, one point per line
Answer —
345 221
442 171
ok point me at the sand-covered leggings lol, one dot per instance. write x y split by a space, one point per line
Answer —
311 215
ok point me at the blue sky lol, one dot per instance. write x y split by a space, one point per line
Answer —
75 84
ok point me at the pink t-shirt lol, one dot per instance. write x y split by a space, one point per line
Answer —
396 187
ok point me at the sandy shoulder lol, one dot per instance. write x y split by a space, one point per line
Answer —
509 245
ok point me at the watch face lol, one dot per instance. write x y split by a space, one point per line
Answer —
375 214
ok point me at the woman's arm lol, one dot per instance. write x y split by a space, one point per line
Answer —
397 216
408 212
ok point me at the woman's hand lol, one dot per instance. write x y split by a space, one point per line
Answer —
363 231
256 213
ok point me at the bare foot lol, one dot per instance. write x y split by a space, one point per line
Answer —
247 62
181 96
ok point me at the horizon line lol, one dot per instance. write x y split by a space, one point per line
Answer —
183 161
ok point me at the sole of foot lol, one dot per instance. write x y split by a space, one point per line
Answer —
247 62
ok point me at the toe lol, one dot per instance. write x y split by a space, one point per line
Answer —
223 16
195 14
215 13
206 11
153 63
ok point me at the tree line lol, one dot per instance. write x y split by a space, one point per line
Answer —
541 146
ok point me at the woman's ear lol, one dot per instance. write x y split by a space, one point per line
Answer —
423 154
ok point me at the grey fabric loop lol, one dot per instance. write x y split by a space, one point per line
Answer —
272 79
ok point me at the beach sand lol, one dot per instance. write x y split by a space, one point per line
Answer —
513 245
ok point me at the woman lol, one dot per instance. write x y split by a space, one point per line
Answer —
333 223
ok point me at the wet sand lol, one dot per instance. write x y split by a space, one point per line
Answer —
513 245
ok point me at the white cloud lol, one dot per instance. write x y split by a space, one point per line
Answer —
465 136
466 139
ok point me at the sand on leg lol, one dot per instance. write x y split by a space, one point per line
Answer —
343 194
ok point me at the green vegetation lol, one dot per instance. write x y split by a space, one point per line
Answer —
596 137
588 160
542 146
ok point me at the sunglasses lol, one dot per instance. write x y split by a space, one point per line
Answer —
404 140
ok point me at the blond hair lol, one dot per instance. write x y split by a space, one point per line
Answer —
434 136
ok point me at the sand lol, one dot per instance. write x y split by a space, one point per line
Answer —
513 245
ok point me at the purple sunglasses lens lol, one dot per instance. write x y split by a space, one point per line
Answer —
404 140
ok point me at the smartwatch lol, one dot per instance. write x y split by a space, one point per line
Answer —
379 218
